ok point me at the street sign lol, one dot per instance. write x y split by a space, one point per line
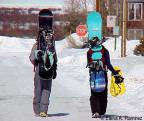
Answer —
81 30
111 21
116 30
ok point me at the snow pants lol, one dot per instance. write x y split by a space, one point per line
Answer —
98 102
42 90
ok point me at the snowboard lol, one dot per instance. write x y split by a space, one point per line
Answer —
97 81
46 43
94 28
94 25
97 69
45 18
117 89
46 28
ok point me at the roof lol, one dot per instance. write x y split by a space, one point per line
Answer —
136 1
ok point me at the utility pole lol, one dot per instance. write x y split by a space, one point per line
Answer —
117 13
98 5
121 31
125 26
124 29
121 16
117 22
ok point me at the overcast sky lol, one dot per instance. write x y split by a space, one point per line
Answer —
33 3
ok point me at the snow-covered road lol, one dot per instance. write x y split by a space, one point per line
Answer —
70 90
16 93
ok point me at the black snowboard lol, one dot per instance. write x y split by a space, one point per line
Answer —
46 26
45 18
46 42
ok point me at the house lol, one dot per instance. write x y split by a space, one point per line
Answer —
135 24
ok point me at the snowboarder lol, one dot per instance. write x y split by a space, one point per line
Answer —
43 57
98 62
42 87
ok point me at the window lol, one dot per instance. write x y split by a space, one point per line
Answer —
131 11
139 34
1 25
135 11
135 34
131 34
138 11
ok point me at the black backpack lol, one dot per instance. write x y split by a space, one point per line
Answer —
46 66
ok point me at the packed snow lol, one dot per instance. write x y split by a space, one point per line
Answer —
70 90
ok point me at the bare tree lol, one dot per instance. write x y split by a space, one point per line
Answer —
76 14
72 6
79 5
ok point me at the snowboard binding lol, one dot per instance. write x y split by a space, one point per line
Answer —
46 32
46 35
95 42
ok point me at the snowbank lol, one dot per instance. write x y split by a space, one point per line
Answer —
130 46
13 44
74 41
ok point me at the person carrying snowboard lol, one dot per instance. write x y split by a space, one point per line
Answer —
98 60
43 57
43 77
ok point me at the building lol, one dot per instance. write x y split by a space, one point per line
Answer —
135 17
23 22
135 22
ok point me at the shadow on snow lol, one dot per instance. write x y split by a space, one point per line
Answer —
58 114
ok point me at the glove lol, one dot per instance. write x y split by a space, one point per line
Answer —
116 72
39 56
55 74
118 79
35 62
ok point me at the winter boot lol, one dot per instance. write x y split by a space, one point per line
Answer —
95 115
43 114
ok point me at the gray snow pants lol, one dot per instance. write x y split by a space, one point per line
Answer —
42 90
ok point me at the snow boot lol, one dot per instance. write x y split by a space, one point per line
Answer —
43 114
95 115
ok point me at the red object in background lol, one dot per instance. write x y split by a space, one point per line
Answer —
81 30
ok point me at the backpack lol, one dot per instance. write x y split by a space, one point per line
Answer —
46 66
95 59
